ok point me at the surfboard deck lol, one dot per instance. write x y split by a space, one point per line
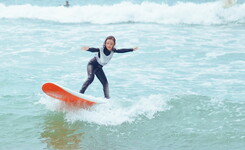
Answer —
69 96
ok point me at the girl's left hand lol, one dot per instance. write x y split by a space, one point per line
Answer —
135 48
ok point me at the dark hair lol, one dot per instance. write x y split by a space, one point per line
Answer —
110 38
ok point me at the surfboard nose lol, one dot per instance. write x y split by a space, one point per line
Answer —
58 92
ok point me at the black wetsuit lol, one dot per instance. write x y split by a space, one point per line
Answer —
94 68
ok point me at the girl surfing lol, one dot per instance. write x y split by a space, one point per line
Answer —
102 57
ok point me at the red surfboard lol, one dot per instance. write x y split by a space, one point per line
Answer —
64 94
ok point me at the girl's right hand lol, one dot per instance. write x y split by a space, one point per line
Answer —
85 48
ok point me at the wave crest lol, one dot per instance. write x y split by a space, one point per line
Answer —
146 12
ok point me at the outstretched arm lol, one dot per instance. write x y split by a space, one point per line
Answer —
125 50
86 48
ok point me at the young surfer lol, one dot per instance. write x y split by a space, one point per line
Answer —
102 57
67 4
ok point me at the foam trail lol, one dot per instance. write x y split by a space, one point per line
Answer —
111 113
146 12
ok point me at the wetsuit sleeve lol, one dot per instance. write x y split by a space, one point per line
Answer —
93 49
123 50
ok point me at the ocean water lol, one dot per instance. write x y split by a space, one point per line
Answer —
183 89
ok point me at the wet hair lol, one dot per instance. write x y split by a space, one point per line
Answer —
110 38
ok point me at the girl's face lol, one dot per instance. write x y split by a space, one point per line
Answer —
109 44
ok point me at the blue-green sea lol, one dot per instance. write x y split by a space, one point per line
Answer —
183 89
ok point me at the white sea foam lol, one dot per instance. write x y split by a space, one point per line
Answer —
111 113
146 12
